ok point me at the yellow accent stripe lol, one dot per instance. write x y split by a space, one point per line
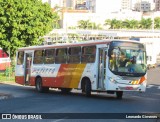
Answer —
76 76
135 82
68 75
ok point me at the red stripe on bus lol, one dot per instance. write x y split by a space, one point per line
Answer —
19 80
48 81
32 81
59 81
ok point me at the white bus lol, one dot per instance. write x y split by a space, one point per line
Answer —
4 60
110 66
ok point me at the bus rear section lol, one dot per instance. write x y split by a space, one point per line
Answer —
89 67
4 60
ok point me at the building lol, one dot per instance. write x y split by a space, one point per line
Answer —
99 6
53 3
152 50
143 6
79 4
126 4
71 19
157 5
69 4
103 6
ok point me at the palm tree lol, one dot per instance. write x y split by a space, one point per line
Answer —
157 22
114 24
130 24
126 23
133 24
84 24
107 23
146 23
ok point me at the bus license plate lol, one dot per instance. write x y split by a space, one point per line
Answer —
129 88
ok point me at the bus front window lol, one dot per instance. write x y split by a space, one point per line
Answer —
125 61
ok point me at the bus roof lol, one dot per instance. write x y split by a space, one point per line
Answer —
62 45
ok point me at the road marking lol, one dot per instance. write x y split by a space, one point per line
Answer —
149 86
159 87
58 120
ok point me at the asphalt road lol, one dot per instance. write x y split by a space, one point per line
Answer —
27 100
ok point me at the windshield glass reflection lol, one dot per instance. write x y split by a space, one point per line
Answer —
127 60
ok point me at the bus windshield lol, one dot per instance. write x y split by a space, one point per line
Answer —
127 61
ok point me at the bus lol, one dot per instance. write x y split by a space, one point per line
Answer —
4 60
91 66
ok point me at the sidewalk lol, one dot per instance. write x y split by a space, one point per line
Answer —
9 83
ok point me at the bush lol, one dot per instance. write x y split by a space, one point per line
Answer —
10 70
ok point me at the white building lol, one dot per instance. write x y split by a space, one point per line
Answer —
152 49
71 19
64 3
126 4
103 6
54 3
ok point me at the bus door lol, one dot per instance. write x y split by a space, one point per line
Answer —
102 67
27 67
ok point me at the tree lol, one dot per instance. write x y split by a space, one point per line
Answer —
126 24
146 23
22 22
114 23
157 22
134 24
107 22
84 24
130 24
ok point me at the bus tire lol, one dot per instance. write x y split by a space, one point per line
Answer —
119 94
87 88
39 86
66 90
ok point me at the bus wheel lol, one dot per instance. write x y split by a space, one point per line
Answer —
39 86
87 88
66 90
119 94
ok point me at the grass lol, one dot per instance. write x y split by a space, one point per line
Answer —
6 78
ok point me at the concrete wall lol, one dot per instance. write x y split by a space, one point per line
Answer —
71 19
152 48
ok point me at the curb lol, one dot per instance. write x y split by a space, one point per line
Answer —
9 83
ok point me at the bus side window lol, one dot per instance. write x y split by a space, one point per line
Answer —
38 57
88 54
20 58
74 55
49 56
61 56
